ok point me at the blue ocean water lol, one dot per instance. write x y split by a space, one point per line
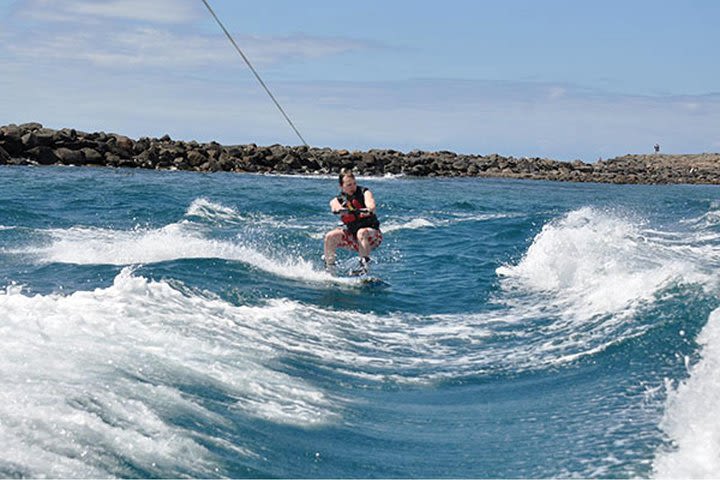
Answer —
171 324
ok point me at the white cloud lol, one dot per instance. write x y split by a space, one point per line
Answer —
555 93
139 46
84 11
153 47
270 50
134 33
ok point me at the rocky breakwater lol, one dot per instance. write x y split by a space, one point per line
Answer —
32 144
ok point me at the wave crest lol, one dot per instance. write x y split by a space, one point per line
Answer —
690 419
106 370
595 263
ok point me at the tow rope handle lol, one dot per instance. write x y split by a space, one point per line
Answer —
344 211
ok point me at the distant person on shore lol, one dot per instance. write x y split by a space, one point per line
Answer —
361 230
657 148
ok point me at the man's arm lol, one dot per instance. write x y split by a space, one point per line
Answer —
335 205
369 201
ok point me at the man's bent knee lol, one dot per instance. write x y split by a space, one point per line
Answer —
333 237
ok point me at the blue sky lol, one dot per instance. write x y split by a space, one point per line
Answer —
552 78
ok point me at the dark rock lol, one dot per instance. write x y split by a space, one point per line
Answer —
124 144
128 164
113 160
209 166
100 137
10 140
166 153
93 157
226 163
180 163
4 156
69 133
43 155
141 145
148 157
461 164
420 169
195 158
45 137
291 161
70 157
29 140
30 127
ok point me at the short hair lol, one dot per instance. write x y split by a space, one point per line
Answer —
345 172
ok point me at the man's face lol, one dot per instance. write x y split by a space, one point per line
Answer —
349 185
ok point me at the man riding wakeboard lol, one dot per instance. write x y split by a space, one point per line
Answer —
361 227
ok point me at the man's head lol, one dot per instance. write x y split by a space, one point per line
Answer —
347 181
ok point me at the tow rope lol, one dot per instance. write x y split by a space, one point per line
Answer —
247 61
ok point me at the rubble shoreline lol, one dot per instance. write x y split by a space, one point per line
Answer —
32 144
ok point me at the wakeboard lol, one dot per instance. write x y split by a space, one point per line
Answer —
365 279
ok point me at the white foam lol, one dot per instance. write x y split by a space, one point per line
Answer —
394 225
387 176
596 263
93 375
204 208
691 418
184 240
479 217
90 245
217 213
711 218
585 276
386 228
413 224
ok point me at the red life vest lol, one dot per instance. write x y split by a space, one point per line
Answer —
355 220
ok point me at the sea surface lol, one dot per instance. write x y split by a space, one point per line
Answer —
173 324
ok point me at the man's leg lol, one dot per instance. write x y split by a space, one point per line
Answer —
364 247
368 239
332 239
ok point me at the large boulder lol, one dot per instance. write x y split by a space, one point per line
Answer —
29 140
70 157
45 137
195 158
4 156
92 156
43 155
124 143
30 126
